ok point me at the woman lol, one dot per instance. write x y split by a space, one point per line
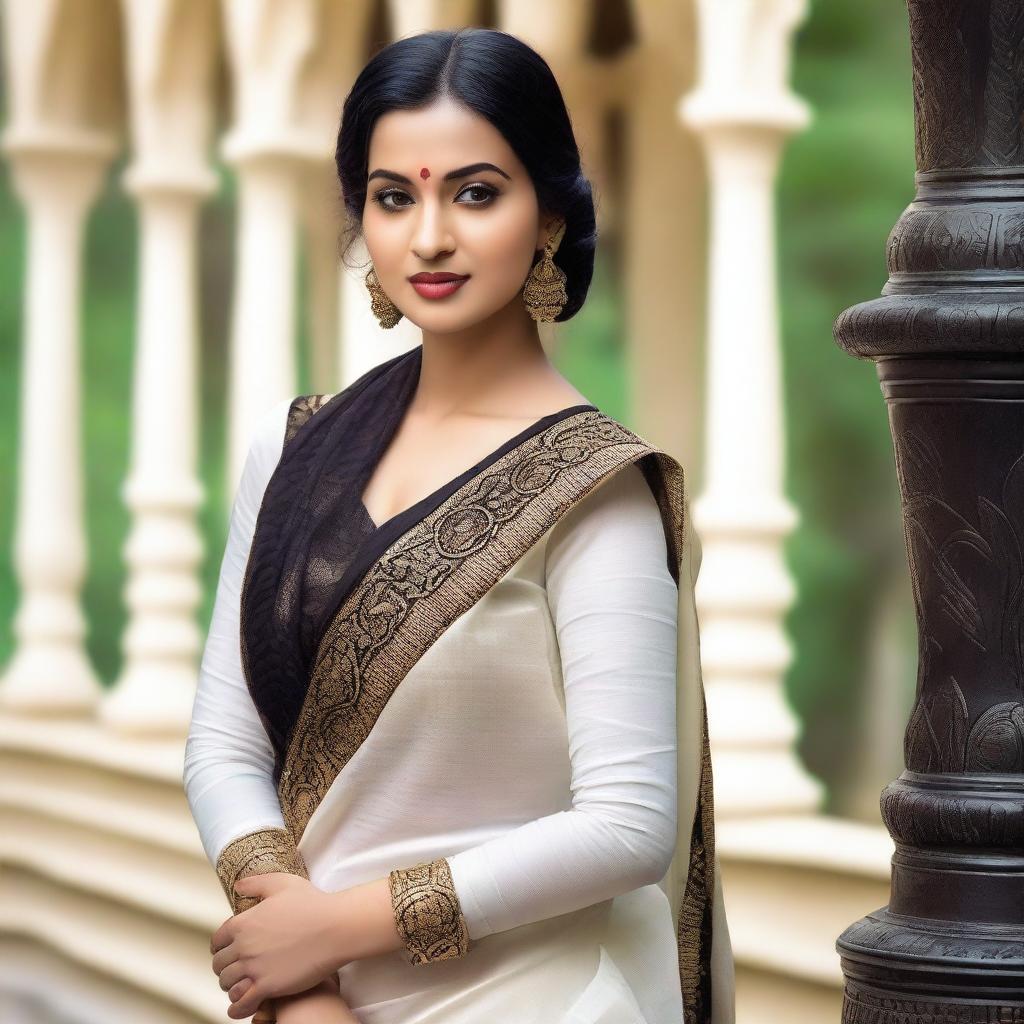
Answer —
449 749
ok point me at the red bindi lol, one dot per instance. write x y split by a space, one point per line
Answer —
424 173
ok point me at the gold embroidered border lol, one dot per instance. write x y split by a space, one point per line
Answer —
427 912
693 934
257 853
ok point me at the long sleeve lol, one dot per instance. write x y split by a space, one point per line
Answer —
228 767
614 605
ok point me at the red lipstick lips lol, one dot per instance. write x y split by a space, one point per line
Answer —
439 285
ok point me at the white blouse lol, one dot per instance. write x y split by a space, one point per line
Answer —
613 604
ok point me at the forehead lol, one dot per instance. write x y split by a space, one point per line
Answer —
440 136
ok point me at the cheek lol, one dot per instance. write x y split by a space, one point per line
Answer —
385 239
501 242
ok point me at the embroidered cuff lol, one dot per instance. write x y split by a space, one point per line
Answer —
257 853
427 912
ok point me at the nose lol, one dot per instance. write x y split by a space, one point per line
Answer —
431 236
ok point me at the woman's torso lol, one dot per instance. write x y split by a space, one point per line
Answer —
471 745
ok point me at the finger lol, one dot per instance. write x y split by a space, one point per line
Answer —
232 975
224 957
222 936
245 999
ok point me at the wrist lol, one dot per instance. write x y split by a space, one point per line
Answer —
364 922
324 987
323 999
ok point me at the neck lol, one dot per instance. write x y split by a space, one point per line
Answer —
490 368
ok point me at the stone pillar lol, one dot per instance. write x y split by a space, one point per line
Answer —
320 217
948 339
171 117
50 671
289 62
262 355
663 236
61 136
742 111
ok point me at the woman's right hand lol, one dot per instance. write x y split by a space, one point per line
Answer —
322 1004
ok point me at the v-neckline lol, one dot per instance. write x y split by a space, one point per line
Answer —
455 482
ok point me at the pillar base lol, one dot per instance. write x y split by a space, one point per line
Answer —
152 699
915 970
51 680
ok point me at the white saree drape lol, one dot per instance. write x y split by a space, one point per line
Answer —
547 744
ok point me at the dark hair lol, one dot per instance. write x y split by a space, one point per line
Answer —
498 76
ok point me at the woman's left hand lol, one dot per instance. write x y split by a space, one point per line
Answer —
281 946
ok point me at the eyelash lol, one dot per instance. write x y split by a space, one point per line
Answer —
381 194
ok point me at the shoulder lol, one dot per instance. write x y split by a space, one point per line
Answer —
275 427
609 552
301 409
603 437
629 499
272 430
620 515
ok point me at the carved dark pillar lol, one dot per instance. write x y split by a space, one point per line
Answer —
948 339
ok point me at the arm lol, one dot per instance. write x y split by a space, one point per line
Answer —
615 606
228 765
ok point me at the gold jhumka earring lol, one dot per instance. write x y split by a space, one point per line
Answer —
383 308
544 292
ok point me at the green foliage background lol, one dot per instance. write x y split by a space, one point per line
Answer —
844 182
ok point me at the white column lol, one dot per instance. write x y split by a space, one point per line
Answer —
262 352
163 493
287 98
321 239
743 111
663 235
62 133
169 176
57 179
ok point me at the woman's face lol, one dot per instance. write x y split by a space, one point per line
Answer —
483 222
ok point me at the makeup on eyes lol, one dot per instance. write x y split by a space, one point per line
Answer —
380 195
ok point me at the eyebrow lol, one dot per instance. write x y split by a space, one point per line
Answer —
459 172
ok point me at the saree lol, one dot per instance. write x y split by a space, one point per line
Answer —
342 619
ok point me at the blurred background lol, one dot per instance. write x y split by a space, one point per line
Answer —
168 270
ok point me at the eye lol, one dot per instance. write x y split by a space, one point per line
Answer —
381 196
485 194
486 191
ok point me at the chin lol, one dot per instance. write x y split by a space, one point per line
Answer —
449 321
